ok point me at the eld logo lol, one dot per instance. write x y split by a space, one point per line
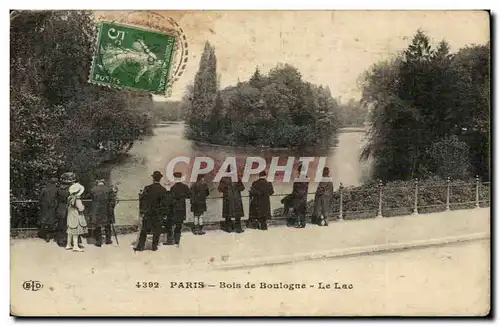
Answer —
32 285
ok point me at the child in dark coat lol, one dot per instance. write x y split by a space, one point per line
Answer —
199 194
323 200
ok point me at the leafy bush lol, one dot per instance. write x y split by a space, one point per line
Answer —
450 157
58 121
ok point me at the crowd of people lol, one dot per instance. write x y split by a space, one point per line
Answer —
64 217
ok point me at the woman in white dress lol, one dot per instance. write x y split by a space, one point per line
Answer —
77 225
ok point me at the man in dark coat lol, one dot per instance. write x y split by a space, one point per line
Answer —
48 207
260 193
199 194
112 201
99 211
178 194
232 205
287 202
168 213
297 200
153 205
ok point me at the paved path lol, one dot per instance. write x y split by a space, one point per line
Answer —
113 270
217 246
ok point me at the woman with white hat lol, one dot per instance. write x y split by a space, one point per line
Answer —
77 225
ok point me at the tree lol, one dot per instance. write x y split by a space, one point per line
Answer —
257 80
290 80
204 92
58 120
167 111
419 100
380 93
353 113
216 116
472 109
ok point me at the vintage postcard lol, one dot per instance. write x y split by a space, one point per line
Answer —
250 163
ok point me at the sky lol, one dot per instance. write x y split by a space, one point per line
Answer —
331 48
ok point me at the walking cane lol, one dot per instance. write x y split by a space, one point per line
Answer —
114 231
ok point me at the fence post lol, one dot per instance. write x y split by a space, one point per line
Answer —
448 194
477 191
341 213
415 208
380 184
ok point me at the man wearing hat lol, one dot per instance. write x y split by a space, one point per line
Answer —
260 193
113 200
99 211
297 200
48 206
178 194
153 205
232 204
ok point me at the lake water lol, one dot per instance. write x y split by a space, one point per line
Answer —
155 152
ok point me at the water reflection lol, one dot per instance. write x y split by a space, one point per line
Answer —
155 152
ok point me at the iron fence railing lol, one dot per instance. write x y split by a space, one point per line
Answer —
378 200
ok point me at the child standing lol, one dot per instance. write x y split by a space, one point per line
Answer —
77 225
199 194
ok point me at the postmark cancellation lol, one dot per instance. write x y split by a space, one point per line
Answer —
134 51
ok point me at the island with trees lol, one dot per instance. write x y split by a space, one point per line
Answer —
277 109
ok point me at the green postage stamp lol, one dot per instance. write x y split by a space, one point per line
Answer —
132 57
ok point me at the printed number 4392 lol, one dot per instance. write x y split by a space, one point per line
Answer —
145 285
